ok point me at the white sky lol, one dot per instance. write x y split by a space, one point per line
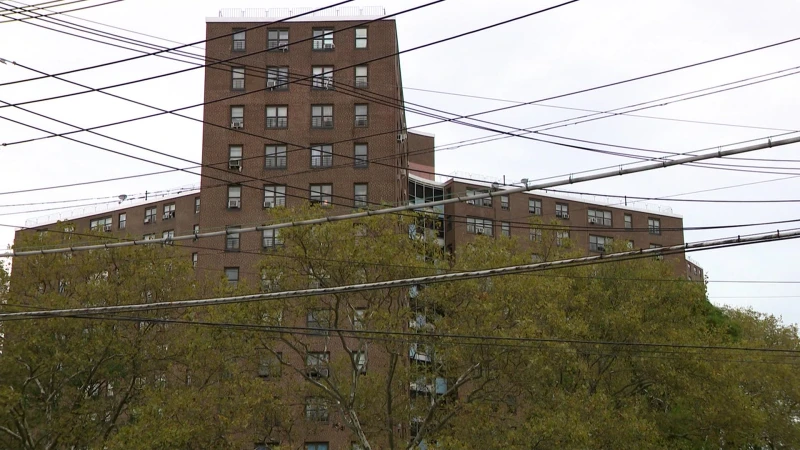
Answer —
574 47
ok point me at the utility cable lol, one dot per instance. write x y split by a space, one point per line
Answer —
541 186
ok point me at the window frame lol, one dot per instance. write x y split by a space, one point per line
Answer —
322 116
237 119
361 120
360 161
278 43
231 189
535 206
360 200
505 229
239 36
322 77
654 225
278 156
322 39
271 239
595 246
277 197
602 217
361 81
628 219
316 410
102 223
233 240
151 213
237 78
318 320
168 211
122 220
230 270
276 120
324 153
359 39
321 198
197 205
478 223
562 210
280 76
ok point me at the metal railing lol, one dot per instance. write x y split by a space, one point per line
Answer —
277 13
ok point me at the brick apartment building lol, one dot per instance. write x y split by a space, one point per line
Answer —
293 122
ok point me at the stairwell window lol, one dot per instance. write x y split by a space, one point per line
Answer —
277 78
237 78
237 116
278 40
479 226
274 196
360 159
360 195
321 116
277 116
232 240
321 194
234 197
197 205
362 115
321 155
123 221
322 77
361 77
599 243
599 217
238 40
361 38
275 157
653 225
323 39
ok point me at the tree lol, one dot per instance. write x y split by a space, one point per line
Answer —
132 382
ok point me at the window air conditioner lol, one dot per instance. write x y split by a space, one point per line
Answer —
565 216
329 45
235 203
148 219
107 227
284 48
271 83
235 164
593 220
237 125
269 204
327 83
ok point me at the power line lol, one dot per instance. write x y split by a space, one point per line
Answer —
405 282
397 209
20 12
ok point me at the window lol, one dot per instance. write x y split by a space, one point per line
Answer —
169 234
123 221
317 411
599 243
360 195
196 229
235 157
478 201
562 237
505 229
237 116
361 38
269 364
322 77
360 159
323 39
321 155
278 40
359 315
169 211
232 239
238 40
275 156
232 274
479 226
234 197
361 77
535 206
318 319
659 256
316 446
194 259
629 245
271 239
562 210
360 361
102 224
150 215
197 205
362 115
237 78
653 225
149 237
321 116
274 196
535 234
321 194
598 217
277 116
277 78
504 202
317 364
628 221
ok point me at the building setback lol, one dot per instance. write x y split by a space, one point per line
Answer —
290 123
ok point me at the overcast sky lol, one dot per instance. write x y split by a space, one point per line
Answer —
581 45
